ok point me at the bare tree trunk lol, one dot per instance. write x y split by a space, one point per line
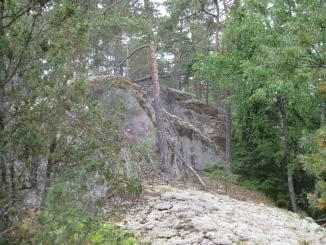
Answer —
178 74
225 7
2 71
160 120
197 89
11 181
180 83
33 174
322 114
288 154
127 62
48 172
207 92
3 180
200 90
12 196
217 27
186 80
117 66
179 65
228 137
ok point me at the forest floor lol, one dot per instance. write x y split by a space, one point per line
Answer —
184 214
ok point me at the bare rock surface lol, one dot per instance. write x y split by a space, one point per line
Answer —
185 216
199 127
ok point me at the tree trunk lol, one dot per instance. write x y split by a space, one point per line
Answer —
288 154
3 180
217 27
117 67
322 113
200 90
160 120
33 174
127 62
225 8
179 83
228 137
178 72
197 89
11 181
48 172
207 93
2 71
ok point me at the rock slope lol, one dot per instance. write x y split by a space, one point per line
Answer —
174 216
200 129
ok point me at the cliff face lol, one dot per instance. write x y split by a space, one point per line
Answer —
200 129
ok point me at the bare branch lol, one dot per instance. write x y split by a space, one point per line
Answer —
111 6
192 170
311 61
131 54
191 15
207 12
147 78
142 79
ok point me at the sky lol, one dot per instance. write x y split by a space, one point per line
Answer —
160 6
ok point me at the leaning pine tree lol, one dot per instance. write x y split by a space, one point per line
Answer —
162 137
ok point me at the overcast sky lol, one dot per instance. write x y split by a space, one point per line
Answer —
161 8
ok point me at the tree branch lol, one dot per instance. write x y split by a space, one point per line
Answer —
311 61
191 15
142 79
111 6
16 15
147 78
205 11
192 170
131 54
29 38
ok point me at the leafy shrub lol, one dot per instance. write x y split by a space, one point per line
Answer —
71 226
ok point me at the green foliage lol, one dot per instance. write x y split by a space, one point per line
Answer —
314 163
69 227
218 172
272 53
48 113
107 234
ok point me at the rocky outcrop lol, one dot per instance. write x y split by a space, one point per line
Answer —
172 216
128 98
199 128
